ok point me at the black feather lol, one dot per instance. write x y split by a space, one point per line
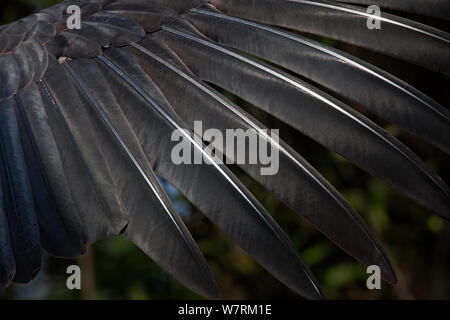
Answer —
93 187
228 204
48 200
297 184
7 262
153 223
431 8
376 90
316 114
349 24
18 196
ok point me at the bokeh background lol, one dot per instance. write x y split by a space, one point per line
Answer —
417 241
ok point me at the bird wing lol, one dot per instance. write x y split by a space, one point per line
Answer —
87 117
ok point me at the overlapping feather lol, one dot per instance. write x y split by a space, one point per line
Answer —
86 126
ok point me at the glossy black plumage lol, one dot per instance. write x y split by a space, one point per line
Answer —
395 100
239 208
18 196
86 118
312 112
153 223
323 202
348 23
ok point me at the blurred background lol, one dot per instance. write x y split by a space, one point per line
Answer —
417 241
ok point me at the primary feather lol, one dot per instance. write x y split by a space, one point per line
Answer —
86 118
